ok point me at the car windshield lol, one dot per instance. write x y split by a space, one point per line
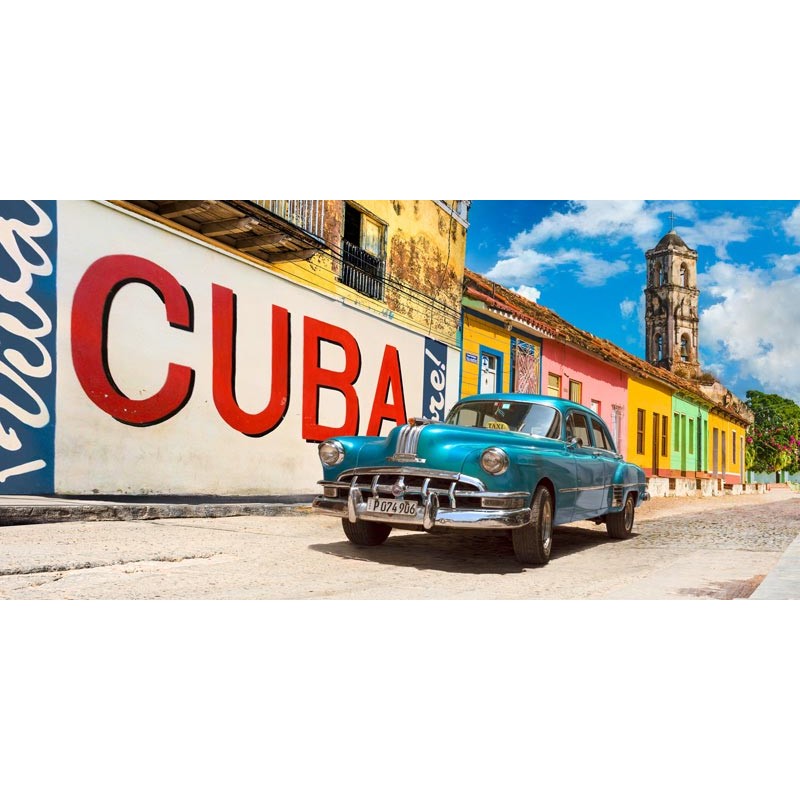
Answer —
508 415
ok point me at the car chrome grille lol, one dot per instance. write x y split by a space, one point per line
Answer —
455 491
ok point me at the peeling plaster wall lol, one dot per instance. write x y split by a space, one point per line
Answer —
425 254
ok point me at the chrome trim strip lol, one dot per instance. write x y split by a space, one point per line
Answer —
407 444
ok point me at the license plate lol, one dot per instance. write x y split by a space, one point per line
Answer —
404 508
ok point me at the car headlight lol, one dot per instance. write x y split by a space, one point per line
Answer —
331 453
494 460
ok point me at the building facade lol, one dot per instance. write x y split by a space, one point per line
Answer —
205 347
661 420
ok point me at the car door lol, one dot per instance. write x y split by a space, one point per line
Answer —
589 468
607 458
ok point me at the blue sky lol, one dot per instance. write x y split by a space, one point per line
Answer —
585 260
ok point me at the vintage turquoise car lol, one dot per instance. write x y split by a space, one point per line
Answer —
500 462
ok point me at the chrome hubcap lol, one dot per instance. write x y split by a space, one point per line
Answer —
547 525
628 515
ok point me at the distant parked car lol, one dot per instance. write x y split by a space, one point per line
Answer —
500 462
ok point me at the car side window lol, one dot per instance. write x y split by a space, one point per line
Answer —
578 428
601 439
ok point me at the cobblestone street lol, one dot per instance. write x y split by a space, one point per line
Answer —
683 548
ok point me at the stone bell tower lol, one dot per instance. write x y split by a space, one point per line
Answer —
671 318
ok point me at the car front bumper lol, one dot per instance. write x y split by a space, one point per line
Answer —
430 512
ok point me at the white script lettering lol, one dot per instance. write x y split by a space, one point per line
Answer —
16 368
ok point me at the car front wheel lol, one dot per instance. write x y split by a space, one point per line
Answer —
620 525
534 541
366 533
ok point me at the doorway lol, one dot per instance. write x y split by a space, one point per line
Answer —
656 440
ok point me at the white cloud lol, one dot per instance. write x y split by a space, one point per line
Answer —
531 266
527 266
524 262
529 292
632 314
718 233
753 326
593 271
792 224
786 264
627 307
610 219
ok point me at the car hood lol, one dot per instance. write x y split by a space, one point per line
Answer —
443 447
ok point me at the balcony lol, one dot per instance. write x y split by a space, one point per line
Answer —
306 214
362 271
269 230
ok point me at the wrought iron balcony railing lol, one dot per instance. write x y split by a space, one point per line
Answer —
362 271
306 214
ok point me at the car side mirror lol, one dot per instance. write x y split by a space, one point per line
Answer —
573 443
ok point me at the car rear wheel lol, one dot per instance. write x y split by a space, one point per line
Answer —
534 541
366 533
620 525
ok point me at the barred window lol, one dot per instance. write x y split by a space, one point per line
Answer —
363 253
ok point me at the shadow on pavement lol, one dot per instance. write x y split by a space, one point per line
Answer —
470 552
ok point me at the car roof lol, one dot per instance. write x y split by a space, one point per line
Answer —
559 403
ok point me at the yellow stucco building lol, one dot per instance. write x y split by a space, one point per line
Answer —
649 410
401 259
725 447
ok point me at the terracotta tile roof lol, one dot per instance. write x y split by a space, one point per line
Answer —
544 319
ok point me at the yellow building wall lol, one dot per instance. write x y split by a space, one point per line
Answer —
477 333
653 399
733 469
425 251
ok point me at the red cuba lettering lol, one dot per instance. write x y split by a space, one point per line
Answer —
224 367
316 377
390 377
91 307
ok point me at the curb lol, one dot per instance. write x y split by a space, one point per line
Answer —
783 581
53 512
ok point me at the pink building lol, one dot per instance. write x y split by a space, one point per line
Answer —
573 374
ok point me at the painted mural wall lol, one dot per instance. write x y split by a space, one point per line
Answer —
145 362
28 319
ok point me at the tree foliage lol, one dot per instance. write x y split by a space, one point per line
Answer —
774 439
